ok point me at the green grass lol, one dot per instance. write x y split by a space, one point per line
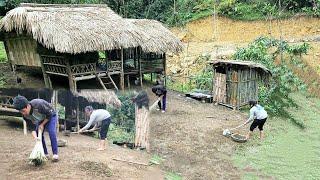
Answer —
287 152
3 55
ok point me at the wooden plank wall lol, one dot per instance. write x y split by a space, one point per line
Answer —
219 95
22 50
248 87
237 86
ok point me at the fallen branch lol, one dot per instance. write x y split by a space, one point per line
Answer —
140 163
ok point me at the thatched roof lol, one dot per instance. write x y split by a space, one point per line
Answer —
241 63
80 28
166 40
100 96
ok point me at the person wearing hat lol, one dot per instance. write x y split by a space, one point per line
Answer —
259 116
160 90
100 118
42 114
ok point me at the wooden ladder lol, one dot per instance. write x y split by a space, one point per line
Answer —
106 80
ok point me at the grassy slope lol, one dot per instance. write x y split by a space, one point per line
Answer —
287 152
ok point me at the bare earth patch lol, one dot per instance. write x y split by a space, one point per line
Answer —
78 160
191 142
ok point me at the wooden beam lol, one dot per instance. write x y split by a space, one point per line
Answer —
59 74
9 110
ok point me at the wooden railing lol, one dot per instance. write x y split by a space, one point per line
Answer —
55 65
113 66
83 69
6 101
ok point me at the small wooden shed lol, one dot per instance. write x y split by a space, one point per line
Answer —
65 40
235 82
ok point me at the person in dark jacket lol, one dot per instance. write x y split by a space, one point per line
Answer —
160 91
42 114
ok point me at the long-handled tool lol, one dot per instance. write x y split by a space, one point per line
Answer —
228 132
85 131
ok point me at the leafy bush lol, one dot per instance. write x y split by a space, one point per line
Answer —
125 116
179 12
275 55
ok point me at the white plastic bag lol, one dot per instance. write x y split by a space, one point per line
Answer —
37 156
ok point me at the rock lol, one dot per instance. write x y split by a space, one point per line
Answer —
62 143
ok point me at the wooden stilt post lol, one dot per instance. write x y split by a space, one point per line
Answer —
50 82
139 64
56 107
122 71
71 82
128 80
45 75
78 120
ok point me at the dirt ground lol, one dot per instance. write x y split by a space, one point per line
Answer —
189 136
78 160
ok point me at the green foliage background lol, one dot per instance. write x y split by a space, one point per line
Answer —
122 128
275 55
178 12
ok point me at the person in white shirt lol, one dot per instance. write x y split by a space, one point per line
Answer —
100 118
259 116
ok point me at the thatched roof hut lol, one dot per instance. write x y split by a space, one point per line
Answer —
166 40
81 28
99 96
64 40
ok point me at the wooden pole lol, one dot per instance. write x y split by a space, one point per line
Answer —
24 127
122 71
71 84
45 75
78 121
56 107
139 64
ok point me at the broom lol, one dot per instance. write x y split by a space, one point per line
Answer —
37 156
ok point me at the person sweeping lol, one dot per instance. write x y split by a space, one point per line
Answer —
42 114
100 118
160 91
259 116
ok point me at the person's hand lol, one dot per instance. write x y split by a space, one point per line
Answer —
41 127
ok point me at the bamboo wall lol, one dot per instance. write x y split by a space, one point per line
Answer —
236 86
22 50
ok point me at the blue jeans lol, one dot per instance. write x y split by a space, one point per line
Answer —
50 126
163 99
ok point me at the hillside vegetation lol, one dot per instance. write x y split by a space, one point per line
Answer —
178 12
